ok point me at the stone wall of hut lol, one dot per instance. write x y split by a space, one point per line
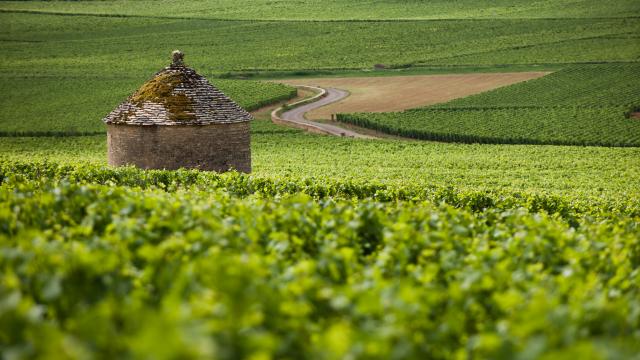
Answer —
217 147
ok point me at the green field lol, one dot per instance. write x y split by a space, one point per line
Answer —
579 105
336 9
579 172
583 86
79 45
332 248
51 62
60 105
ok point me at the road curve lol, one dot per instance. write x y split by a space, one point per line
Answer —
296 115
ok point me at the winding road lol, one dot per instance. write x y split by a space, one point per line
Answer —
296 115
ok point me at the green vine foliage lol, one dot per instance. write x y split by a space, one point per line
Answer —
579 105
128 263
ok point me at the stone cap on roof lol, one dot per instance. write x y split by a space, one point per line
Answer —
177 95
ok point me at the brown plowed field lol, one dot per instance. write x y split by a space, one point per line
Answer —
396 93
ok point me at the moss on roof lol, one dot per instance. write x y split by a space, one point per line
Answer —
161 90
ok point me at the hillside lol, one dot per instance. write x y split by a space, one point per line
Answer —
579 105
335 9
332 248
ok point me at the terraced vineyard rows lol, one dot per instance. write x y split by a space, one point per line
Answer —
581 105
252 95
332 248
337 9
553 126
53 45
71 110
282 153
244 185
53 62
591 85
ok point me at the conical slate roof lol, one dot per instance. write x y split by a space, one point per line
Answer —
177 95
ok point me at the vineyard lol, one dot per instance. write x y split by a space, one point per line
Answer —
336 9
482 245
554 126
581 105
277 152
230 275
68 111
273 187
46 45
50 63
601 85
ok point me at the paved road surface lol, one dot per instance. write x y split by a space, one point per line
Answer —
333 95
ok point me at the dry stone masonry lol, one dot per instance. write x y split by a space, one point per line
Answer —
179 120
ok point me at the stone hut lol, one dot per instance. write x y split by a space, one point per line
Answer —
179 120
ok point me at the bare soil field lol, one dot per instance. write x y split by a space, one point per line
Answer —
397 93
